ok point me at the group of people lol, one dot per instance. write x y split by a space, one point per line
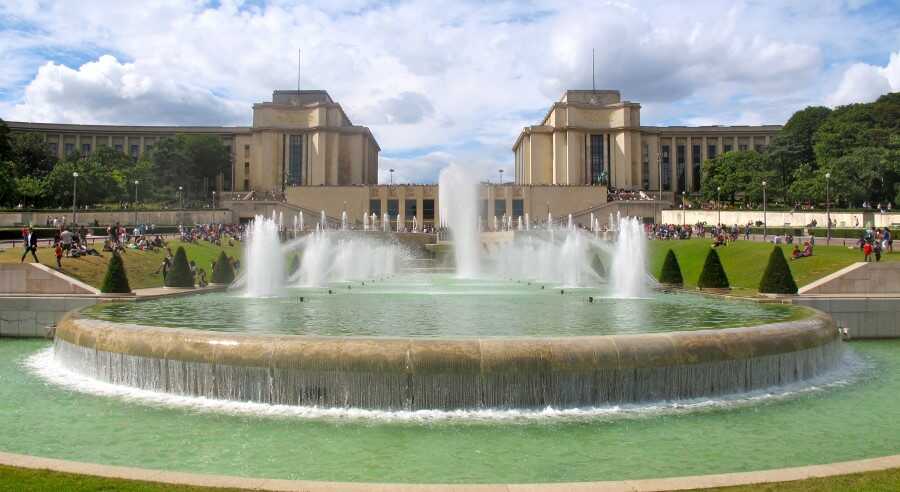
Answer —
67 242
212 233
620 195
874 242
198 274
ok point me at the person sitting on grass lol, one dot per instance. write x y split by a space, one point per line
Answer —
807 251
720 241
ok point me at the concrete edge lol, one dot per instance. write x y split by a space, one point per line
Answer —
66 278
828 278
643 485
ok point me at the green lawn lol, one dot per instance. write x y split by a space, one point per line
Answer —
43 480
140 265
744 261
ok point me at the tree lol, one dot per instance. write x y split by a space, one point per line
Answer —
180 273
116 280
223 272
295 265
671 270
713 275
597 266
30 191
31 155
777 278
96 182
736 173
6 151
8 191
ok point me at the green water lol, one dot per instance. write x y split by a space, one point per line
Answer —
856 420
436 305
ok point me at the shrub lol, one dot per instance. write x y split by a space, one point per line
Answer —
777 279
180 272
116 280
223 272
295 265
713 275
671 270
597 265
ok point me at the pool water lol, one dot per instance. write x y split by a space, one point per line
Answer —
852 415
439 305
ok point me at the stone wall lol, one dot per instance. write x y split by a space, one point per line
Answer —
37 279
860 278
158 217
35 316
780 219
864 317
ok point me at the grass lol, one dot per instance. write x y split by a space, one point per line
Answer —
745 261
23 479
140 265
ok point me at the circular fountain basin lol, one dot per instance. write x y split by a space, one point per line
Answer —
419 369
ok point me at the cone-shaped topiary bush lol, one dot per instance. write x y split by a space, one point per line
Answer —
597 265
713 275
777 279
116 280
295 265
180 272
671 270
223 272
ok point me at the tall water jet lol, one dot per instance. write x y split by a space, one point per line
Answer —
386 223
323 221
629 276
302 225
265 263
458 198
344 223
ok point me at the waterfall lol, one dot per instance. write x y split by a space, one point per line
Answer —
628 273
458 198
264 260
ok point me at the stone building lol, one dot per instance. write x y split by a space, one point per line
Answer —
594 137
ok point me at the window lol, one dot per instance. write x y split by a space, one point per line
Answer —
696 159
393 208
499 207
295 169
69 148
711 151
759 148
52 147
645 167
118 147
135 150
666 165
680 166
518 207
742 147
727 148
410 209
375 207
86 148
597 175
428 210
246 184
247 148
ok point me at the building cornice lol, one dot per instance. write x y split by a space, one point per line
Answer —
79 128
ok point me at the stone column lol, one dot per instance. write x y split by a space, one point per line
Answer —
689 164
61 152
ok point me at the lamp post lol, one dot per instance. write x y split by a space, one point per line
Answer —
74 195
214 199
765 222
719 205
136 183
181 196
501 176
682 208
827 209
392 176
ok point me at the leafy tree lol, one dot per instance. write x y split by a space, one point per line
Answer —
793 147
736 173
295 265
713 275
31 155
180 273
597 266
96 183
223 272
777 278
8 191
671 270
30 191
6 151
116 280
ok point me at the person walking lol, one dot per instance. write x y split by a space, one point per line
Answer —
59 254
888 240
30 245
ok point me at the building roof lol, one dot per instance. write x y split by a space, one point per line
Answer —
155 129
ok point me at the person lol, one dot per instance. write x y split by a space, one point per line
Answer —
30 245
164 266
59 253
66 238
867 252
876 248
201 278
888 240
807 251
193 270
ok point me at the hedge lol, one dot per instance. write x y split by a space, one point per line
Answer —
223 272
777 279
671 270
116 280
180 272
845 233
713 275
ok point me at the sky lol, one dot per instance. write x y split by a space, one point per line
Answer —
442 82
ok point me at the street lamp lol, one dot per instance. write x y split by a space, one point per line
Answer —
719 204
181 196
765 222
501 176
136 183
74 194
682 208
827 209
214 199
392 176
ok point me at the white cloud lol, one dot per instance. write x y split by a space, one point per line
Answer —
862 82
450 81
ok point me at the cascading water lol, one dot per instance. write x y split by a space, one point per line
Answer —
628 274
331 256
458 198
265 263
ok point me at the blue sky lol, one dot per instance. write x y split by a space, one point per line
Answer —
442 82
